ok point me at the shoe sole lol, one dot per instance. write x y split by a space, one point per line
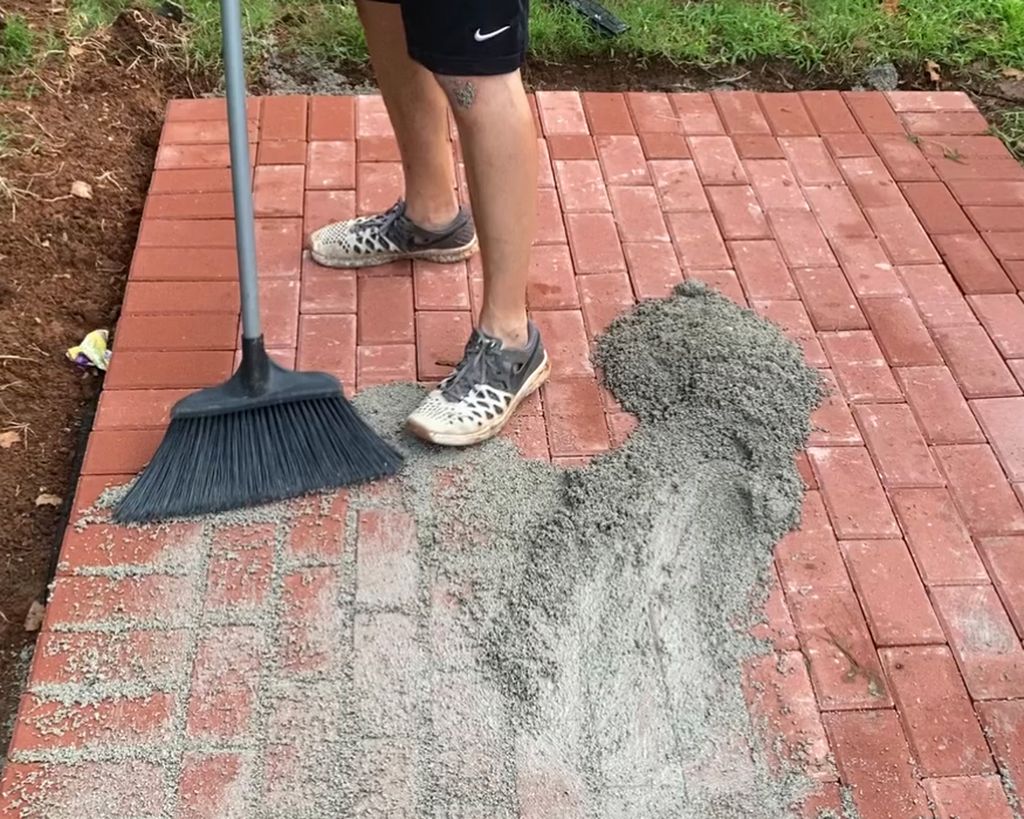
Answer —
447 255
533 383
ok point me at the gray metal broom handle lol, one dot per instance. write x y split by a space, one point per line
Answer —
241 184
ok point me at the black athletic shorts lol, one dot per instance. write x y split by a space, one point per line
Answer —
466 38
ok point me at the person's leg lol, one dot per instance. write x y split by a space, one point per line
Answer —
419 115
499 147
428 223
475 50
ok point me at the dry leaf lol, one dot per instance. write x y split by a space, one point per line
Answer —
46 499
932 68
1013 74
9 439
34 618
83 190
75 51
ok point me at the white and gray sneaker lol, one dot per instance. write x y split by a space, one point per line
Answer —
480 396
390 236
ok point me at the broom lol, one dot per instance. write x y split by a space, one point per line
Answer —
267 433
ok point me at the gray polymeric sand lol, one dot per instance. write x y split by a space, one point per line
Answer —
530 641
607 609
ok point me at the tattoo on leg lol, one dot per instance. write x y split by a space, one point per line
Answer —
462 93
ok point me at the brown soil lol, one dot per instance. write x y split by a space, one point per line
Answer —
661 75
94 119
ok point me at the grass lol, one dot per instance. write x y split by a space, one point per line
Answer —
88 16
6 140
203 20
17 44
835 36
839 37
1009 126
7 150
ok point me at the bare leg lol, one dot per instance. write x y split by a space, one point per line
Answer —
499 144
419 115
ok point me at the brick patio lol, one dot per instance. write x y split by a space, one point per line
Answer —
885 233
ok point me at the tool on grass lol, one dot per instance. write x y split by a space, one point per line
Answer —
600 18
267 433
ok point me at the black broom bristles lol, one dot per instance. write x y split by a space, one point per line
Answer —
256 455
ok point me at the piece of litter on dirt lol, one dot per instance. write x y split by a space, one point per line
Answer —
9 438
92 352
934 74
81 190
34 618
46 499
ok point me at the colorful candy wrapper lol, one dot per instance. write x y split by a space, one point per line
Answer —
92 352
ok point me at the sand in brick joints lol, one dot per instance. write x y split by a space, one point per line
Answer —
550 643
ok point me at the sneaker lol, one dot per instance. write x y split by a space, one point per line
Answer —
390 236
477 400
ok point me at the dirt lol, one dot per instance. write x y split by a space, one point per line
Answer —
661 75
616 73
284 73
95 119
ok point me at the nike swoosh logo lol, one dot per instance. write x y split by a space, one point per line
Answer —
482 37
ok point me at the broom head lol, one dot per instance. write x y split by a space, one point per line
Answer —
265 435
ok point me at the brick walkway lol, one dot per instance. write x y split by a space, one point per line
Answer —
885 233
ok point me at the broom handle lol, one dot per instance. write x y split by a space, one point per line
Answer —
241 184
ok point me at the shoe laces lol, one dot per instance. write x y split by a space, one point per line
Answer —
480 362
381 222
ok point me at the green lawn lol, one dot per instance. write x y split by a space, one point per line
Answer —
838 37
17 44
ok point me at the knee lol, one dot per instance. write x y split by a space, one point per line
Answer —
462 92
467 94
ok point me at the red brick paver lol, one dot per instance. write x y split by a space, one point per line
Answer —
897 614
